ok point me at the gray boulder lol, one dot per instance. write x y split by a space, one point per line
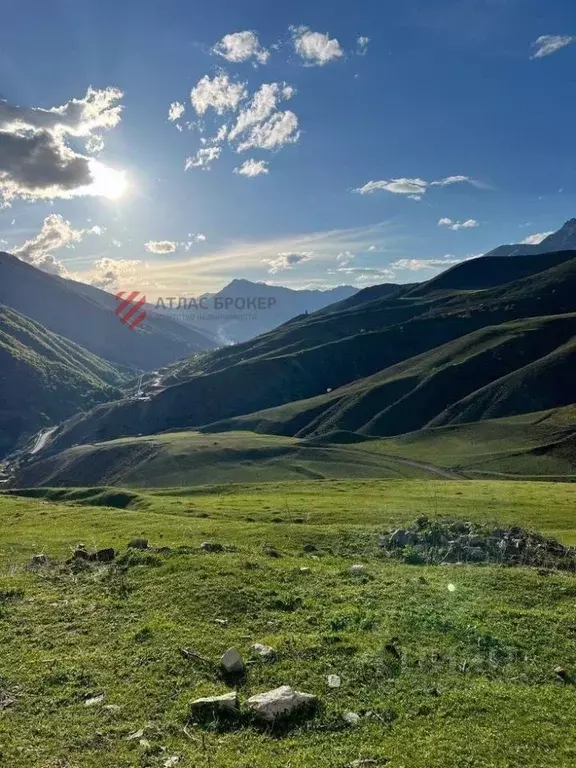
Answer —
281 702
215 705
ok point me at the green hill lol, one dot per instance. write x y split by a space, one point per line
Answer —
445 353
45 378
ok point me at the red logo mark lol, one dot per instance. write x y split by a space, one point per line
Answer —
131 317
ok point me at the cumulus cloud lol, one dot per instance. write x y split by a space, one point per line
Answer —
547 44
252 168
241 46
161 246
288 259
415 265
110 273
35 158
456 225
413 188
280 129
536 238
176 110
261 106
55 233
218 93
315 48
362 45
203 158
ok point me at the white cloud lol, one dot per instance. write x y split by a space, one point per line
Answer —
111 272
288 259
203 158
262 105
252 168
456 225
451 180
413 188
116 243
35 159
218 93
55 233
362 45
176 110
397 186
97 230
241 46
547 44
277 131
368 273
161 246
315 48
536 238
415 265
345 258
94 145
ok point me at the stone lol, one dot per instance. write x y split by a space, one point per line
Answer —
39 561
80 553
233 662
210 546
95 700
352 718
265 651
271 551
333 681
562 674
280 702
214 705
171 761
138 544
357 569
112 707
400 538
304 570
103 556
222 622
310 548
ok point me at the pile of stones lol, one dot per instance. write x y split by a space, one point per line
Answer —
434 542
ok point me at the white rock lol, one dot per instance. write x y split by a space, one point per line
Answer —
266 651
135 735
112 708
213 704
334 681
279 702
171 761
94 701
232 661
351 718
357 569
304 570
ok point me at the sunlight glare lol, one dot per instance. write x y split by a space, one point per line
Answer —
108 182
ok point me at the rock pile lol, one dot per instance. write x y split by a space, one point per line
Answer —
433 542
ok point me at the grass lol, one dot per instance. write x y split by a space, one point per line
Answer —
475 685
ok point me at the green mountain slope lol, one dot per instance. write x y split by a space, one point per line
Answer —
45 378
315 359
85 315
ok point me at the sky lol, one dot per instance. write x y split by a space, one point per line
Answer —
172 146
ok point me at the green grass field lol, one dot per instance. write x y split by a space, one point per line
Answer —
475 684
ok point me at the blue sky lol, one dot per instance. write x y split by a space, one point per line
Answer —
449 98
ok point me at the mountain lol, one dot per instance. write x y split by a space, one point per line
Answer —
243 310
85 315
490 339
44 378
562 240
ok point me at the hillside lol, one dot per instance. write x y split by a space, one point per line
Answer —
442 667
44 378
470 339
85 315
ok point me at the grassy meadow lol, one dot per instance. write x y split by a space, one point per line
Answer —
469 681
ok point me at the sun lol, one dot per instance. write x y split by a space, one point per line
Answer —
107 182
